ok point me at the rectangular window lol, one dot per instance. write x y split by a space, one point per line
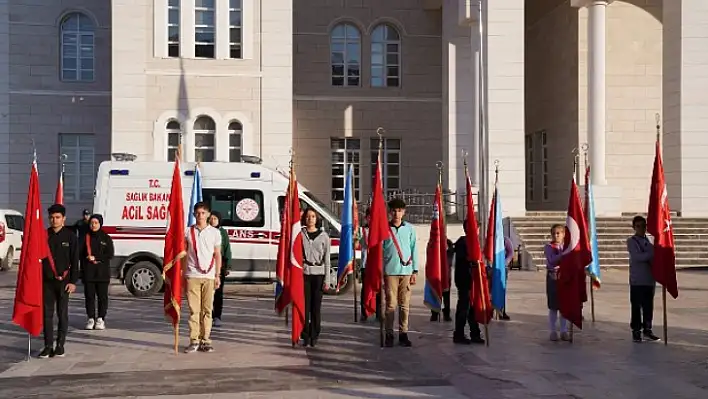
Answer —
204 146
15 222
79 166
238 208
204 29
235 28
530 169
235 142
173 16
345 152
544 165
390 164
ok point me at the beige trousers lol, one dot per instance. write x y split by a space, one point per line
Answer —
398 295
200 298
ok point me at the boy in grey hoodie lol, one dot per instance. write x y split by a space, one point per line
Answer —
641 281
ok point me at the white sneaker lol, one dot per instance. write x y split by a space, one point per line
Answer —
100 324
216 322
90 324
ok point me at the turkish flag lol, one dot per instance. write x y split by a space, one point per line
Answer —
379 231
295 289
175 249
576 255
27 312
479 295
660 227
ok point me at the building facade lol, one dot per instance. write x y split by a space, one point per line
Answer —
562 81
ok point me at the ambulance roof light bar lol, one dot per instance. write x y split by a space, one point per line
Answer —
124 157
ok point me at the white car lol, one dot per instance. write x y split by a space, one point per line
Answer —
12 224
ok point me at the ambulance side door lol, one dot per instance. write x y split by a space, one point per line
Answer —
245 216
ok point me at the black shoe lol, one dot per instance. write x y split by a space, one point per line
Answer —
446 317
206 348
363 319
505 317
59 351
46 352
649 336
388 342
313 342
404 341
434 316
636 336
477 340
461 340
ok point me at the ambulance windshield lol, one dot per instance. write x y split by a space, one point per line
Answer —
322 205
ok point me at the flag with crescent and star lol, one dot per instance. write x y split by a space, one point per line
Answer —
576 255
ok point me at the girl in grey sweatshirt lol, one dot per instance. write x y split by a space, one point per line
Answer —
315 250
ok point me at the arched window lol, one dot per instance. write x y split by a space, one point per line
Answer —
345 55
77 48
204 138
174 139
385 57
235 141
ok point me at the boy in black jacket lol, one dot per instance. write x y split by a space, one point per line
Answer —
60 272
464 314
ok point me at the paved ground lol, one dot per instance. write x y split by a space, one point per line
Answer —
134 357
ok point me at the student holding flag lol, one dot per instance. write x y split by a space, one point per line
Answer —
316 262
400 257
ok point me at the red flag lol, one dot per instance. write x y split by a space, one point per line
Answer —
378 233
175 249
436 268
479 294
27 312
491 227
660 227
59 196
281 269
296 279
576 255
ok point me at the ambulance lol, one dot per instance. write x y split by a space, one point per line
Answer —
133 198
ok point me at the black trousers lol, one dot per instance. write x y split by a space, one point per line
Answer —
313 307
361 297
54 293
219 299
464 314
641 299
93 291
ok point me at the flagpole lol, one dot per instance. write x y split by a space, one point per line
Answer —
575 172
479 266
587 206
175 327
380 132
663 287
29 336
440 165
291 165
354 241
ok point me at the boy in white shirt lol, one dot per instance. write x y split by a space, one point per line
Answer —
201 271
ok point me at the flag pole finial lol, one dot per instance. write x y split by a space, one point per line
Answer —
584 148
34 152
658 126
440 165
62 161
380 132
576 158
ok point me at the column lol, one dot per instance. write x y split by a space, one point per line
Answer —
596 89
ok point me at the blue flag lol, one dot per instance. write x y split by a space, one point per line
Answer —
499 267
594 267
346 238
196 195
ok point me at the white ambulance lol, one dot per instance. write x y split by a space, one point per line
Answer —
133 198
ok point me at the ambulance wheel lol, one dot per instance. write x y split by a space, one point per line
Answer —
143 279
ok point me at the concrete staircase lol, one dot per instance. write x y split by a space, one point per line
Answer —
690 235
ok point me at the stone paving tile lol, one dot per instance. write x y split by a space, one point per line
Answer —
253 358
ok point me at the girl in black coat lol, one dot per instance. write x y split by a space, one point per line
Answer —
96 254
